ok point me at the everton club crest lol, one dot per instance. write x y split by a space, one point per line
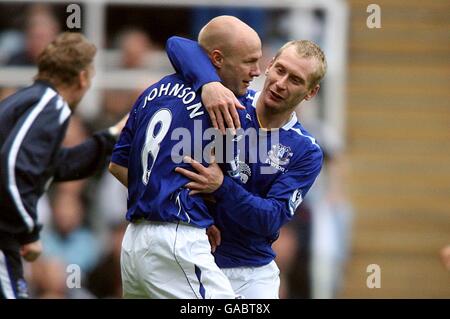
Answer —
278 156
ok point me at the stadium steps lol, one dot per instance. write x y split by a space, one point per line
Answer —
398 133
402 276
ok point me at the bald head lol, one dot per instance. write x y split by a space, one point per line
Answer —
224 33
234 49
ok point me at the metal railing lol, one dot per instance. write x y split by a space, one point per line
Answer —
334 43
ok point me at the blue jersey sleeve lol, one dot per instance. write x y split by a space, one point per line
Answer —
267 215
191 61
121 151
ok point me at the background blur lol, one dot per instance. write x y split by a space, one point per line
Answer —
382 118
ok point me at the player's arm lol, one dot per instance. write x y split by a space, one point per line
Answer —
84 159
119 172
118 166
192 62
267 215
262 215
88 157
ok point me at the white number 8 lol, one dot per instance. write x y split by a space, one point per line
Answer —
152 141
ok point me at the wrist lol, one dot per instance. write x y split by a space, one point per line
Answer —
218 184
223 189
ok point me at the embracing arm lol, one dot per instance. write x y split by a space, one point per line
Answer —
262 215
194 65
266 215
191 61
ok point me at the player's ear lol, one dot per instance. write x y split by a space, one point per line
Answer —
217 58
83 78
269 66
312 92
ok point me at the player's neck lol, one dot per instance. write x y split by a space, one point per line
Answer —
269 120
69 94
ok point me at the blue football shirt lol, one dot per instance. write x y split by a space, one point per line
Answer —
166 123
266 182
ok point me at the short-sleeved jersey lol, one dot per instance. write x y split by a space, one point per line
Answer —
167 121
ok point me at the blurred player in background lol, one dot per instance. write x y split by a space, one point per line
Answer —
250 214
33 123
41 28
165 251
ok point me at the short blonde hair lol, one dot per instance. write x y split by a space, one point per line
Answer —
64 58
308 49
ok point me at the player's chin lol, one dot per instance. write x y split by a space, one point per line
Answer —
243 90
244 87
272 103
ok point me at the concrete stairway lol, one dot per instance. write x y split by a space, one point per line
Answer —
399 148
